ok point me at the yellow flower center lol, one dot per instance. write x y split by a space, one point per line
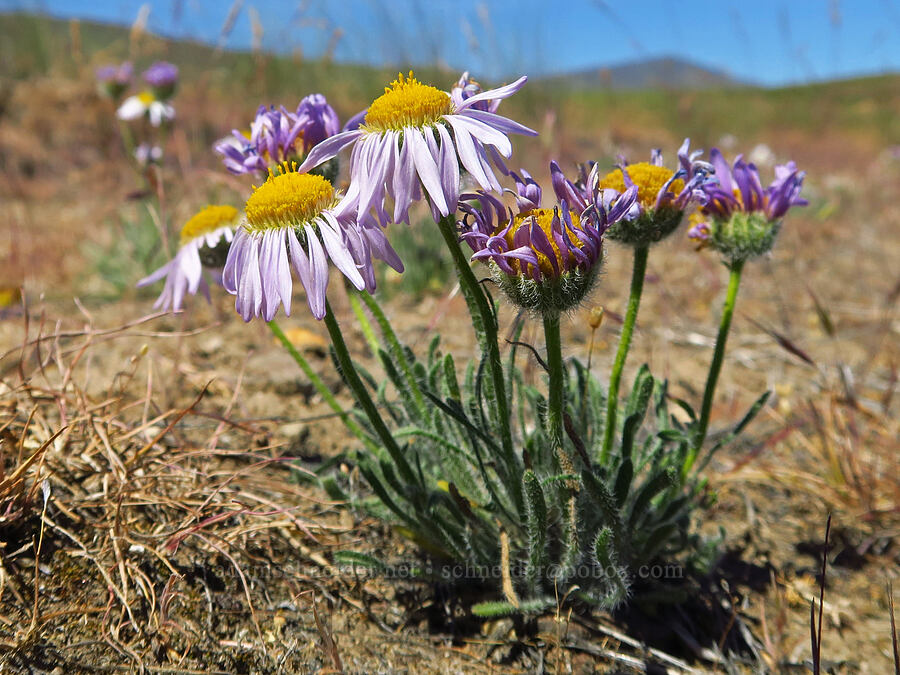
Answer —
207 221
288 199
544 219
146 97
648 177
407 103
719 204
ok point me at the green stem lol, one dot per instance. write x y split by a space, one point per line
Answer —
363 321
634 301
317 382
351 377
555 397
715 367
485 325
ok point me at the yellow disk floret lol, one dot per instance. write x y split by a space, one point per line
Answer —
648 177
544 220
146 97
206 221
407 103
287 200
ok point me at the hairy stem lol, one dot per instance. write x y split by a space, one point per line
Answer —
555 397
634 301
351 377
715 367
484 321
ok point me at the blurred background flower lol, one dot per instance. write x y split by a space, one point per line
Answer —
146 105
162 78
113 81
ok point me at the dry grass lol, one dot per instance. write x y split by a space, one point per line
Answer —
121 507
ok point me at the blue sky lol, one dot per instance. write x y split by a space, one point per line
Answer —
771 42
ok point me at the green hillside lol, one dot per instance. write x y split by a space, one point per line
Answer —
859 112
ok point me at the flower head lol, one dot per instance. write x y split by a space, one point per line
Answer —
277 135
203 238
739 217
662 197
162 78
114 80
413 139
545 259
297 220
146 105
317 121
466 88
146 154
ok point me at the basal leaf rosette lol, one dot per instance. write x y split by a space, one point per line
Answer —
545 260
739 218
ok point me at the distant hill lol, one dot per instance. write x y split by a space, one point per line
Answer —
32 43
662 73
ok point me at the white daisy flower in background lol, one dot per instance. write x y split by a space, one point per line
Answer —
146 104
204 241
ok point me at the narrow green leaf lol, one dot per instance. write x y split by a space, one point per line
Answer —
496 610
629 430
536 509
357 559
397 352
623 481
640 393
651 488
450 379
333 490
739 427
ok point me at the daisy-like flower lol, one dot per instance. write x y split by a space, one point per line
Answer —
297 220
204 239
663 194
466 88
739 218
146 104
415 137
162 78
317 120
146 154
277 135
544 259
114 80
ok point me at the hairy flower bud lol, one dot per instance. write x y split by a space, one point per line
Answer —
739 218
544 260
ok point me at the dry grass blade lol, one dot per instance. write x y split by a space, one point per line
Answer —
180 416
815 625
894 643
784 342
329 645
